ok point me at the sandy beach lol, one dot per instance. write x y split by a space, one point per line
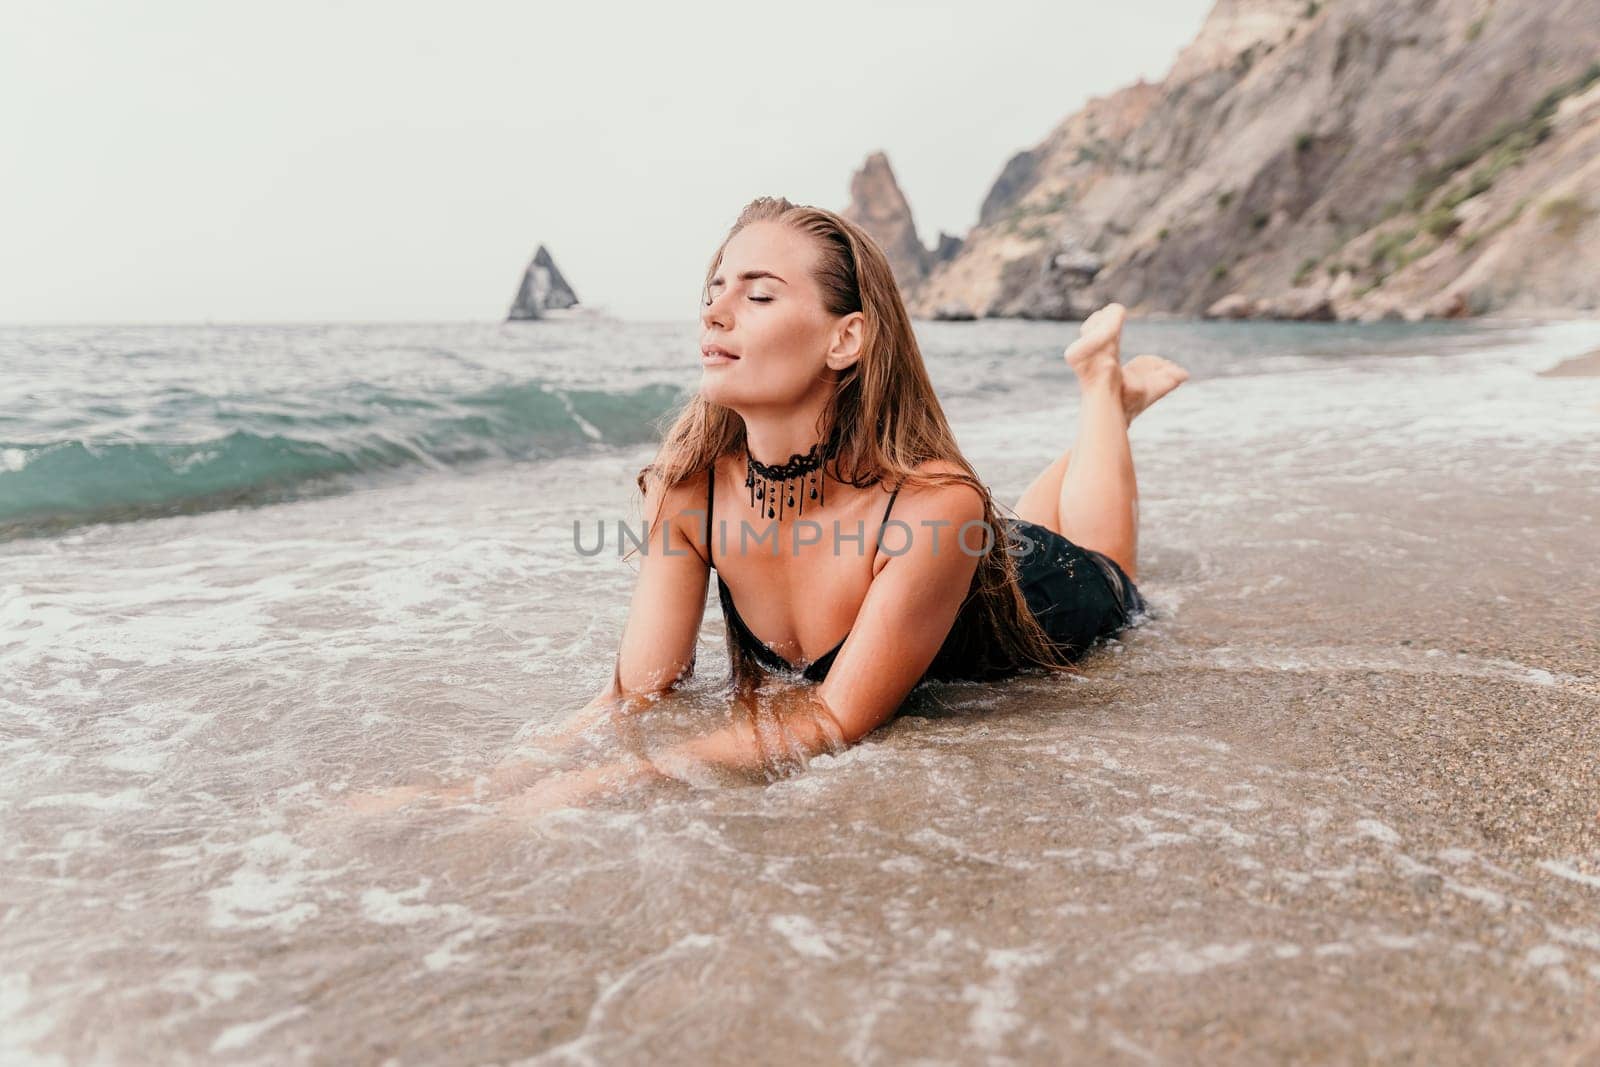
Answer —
1584 366
1337 799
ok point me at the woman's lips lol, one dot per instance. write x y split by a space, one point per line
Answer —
715 355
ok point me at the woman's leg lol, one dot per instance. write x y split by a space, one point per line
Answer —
1145 379
1041 501
1099 503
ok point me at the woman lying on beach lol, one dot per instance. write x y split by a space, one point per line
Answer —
857 552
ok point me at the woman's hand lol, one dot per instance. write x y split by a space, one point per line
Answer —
516 788
609 707
574 787
528 775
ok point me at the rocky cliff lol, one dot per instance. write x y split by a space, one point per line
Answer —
878 206
1355 159
542 289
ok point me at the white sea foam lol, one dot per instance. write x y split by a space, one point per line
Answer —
1571 873
1175 958
995 1012
270 889
241 1035
184 700
1377 831
803 936
126 800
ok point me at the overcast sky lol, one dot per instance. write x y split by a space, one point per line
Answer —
339 161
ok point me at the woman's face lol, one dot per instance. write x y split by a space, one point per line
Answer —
764 308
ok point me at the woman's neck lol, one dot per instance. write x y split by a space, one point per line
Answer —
773 441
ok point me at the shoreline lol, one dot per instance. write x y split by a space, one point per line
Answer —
1584 366
1548 317
1346 758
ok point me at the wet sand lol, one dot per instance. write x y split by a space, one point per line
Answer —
1336 800
1584 366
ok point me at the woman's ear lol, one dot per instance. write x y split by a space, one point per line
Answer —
847 339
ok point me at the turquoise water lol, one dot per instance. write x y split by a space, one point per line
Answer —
120 423
136 423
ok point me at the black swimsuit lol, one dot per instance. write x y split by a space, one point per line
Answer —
738 631
1077 594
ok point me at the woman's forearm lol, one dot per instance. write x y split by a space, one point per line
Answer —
607 705
772 734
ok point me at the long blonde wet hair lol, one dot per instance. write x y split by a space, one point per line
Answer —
884 421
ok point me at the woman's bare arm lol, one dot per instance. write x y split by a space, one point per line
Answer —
656 653
908 611
657 650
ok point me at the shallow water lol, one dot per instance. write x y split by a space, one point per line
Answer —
1336 798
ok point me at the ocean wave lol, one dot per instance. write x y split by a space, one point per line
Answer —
198 453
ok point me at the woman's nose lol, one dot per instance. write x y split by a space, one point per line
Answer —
714 312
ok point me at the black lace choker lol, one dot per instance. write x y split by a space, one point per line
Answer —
775 487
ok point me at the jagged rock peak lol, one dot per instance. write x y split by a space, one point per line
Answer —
542 289
878 206
948 248
1234 27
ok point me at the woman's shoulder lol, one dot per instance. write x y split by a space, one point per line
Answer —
682 505
932 506
942 494
939 466
688 489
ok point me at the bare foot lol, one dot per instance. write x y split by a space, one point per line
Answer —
1146 379
1093 357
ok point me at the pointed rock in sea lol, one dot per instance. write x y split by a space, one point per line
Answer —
542 289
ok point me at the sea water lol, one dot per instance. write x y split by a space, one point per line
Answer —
246 571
